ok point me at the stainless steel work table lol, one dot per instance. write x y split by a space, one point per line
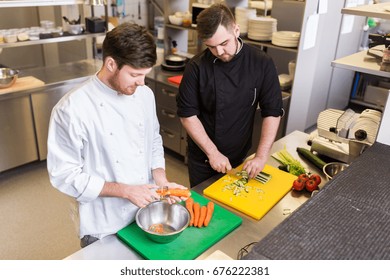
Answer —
250 230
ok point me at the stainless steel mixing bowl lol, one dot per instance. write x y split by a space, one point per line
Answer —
8 77
332 168
163 222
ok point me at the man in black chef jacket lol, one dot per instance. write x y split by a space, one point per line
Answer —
218 97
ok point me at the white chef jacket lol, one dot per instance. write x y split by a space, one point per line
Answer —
96 135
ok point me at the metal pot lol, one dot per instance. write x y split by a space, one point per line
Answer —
8 77
175 60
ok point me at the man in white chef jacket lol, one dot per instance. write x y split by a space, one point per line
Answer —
104 146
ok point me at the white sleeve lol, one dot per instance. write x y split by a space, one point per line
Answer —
65 157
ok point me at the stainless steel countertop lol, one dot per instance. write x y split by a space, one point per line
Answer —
53 76
250 230
75 72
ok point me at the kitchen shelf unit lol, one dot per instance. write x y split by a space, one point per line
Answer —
43 11
65 38
39 3
378 11
361 61
25 114
375 10
266 44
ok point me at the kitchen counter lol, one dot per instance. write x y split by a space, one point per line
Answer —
347 220
54 76
250 230
73 73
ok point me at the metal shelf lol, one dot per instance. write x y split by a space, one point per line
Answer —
361 62
366 104
374 10
34 3
64 38
267 44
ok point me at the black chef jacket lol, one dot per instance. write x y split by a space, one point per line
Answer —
225 97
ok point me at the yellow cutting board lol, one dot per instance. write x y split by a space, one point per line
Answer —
23 83
259 198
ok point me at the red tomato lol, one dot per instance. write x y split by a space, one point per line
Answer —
316 178
298 185
311 185
304 177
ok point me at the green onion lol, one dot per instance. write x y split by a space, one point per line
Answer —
292 165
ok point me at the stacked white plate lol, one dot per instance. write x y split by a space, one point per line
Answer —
242 15
261 28
261 5
286 38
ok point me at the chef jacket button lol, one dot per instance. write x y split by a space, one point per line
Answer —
117 161
140 124
111 133
140 151
101 104
142 177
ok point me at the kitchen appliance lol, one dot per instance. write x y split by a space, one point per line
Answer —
190 244
196 9
344 135
257 198
95 25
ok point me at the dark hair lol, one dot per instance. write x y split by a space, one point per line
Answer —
208 21
130 44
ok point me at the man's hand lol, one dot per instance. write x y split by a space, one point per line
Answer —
140 195
174 199
219 162
254 166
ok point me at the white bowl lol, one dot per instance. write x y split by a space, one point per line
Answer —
75 29
175 20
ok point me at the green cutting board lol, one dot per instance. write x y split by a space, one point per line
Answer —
190 244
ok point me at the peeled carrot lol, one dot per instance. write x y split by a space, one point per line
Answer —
189 206
196 213
209 213
202 216
174 192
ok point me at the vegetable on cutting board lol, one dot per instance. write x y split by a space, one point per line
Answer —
289 163
307 154
209 213
196 213
190 207
200 215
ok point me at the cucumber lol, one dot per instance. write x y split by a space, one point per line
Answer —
311 157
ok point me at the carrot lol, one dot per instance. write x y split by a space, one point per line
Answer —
189 205
209 214
196 213
174 192
202 216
